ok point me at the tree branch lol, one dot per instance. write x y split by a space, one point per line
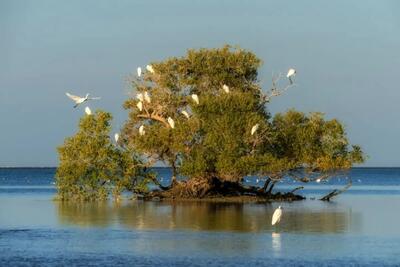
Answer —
154 117
336 192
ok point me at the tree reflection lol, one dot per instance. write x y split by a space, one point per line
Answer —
203 216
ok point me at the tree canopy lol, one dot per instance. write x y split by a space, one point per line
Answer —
214 101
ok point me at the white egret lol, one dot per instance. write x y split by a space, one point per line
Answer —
226 88
185 113
291 73
139 71
79 100
318 180
150 68
276 217
171 122
254 128
140 105
116 137
88 111
140 97
141 130
195 98
147 97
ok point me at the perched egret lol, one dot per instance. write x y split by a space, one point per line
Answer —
318 180
257 181
116 137
290 74
184 112
139 71
226 88
140 105
140 97
195 98
150 68
79 100
254 128
141 130
88 111
171 122
147 97
276 217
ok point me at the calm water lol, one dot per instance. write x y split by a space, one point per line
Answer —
360 227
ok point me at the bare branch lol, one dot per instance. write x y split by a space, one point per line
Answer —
154 116
275 90
336 192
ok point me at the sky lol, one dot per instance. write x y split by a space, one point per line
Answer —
346 53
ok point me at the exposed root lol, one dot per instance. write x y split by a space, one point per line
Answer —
215 190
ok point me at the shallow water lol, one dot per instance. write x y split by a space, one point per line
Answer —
361 227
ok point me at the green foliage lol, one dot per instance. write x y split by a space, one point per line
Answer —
216 141
91 166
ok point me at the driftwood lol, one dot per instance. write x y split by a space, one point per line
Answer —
336 192
297 188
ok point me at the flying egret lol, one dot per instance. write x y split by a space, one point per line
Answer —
226 88
290 74
147 97
184 112
276 217
254 128
139 71
171 122
141 130
88 111
150 68
79 100
116 137
140 105
195 98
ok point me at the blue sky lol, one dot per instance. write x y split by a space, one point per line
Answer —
346 53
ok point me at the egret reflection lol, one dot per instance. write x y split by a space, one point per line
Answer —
276 242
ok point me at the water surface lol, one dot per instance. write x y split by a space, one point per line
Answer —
360 227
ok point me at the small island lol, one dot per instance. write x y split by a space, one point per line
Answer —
204 115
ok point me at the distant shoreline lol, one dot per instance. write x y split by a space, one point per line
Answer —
159 167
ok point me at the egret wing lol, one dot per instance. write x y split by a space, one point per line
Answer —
74 97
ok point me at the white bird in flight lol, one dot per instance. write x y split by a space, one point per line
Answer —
254 128
276 217
226 88
185 113
79 100
116 137
195 98
291 73
141 130
171 122
139 71
140 105
150 68
147 97
88 111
